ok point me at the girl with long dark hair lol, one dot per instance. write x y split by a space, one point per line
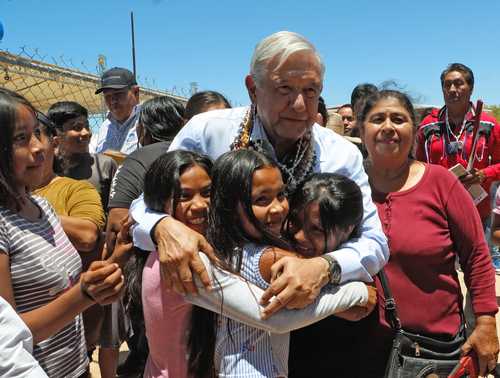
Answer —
178 183
247 212
40 270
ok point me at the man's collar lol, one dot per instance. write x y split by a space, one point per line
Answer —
468 116
135 110
259 134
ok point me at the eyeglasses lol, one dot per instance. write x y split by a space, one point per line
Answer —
43 119
47 123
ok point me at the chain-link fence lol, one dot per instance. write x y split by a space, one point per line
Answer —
45 80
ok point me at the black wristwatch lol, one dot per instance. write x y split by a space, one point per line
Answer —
334 269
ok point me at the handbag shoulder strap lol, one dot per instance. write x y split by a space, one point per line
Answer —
391 312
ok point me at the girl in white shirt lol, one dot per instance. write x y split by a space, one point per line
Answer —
248 208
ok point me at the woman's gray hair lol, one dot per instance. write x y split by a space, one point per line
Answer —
281 44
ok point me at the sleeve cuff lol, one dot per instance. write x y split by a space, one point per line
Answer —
146 221
490 173
259 280
484 307
489 313
351 268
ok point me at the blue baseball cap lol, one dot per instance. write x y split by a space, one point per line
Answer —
116 78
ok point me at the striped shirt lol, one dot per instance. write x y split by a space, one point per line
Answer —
113 135
43 264
245 351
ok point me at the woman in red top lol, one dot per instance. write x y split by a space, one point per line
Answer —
429 219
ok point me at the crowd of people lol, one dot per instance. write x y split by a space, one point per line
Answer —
246 242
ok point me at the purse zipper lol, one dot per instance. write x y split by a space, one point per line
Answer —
417 349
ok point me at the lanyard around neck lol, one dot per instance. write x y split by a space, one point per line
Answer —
457 146
449 129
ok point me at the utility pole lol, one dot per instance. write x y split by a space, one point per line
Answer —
133 42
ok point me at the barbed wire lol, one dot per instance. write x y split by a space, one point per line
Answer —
44 80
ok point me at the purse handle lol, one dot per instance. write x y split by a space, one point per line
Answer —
391 312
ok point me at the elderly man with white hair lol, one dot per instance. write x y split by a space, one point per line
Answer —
284 84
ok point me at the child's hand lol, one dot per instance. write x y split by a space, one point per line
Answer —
357 313
123 245
372 299
267 260
103 282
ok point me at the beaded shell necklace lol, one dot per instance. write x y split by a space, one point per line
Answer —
294 167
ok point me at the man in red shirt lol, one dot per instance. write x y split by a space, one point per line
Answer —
445 138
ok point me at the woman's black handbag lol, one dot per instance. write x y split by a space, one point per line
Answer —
415 356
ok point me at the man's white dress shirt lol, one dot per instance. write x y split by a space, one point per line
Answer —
213 132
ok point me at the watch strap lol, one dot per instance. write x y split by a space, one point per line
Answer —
334 269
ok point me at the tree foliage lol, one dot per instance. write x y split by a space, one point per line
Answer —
495 111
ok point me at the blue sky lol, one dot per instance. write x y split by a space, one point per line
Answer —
179 42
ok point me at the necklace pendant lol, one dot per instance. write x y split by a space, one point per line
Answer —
452 148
